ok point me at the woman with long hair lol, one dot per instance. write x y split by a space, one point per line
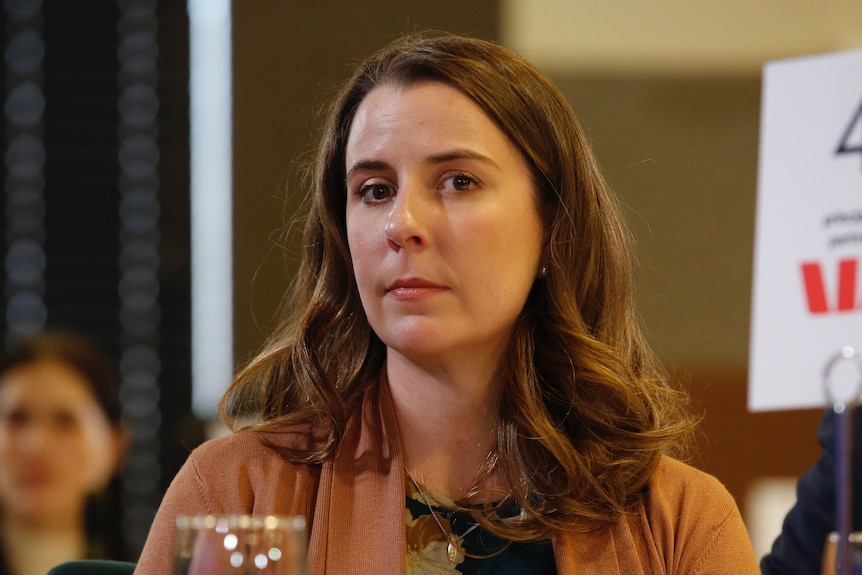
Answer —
460 382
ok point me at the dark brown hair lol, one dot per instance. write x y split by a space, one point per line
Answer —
586 411
77 353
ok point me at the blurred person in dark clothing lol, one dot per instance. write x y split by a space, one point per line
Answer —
798 550
61 443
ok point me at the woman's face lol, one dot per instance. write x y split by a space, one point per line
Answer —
442 222
56 445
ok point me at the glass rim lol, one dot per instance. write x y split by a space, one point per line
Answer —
229 522
853 536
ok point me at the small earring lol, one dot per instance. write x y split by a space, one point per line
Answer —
543 271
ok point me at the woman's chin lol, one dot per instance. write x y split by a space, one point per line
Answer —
38 506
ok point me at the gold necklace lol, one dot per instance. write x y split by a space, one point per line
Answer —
452 547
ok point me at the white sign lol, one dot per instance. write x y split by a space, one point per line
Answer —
807 295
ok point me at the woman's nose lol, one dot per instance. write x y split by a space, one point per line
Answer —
32 438
404 224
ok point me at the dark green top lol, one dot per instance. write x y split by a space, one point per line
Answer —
479 552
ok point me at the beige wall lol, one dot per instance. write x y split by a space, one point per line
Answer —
681 152
676 37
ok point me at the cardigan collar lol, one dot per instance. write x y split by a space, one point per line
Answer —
361 511
361 495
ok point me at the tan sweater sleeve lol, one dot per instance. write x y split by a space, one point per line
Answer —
727 550
185 496
702 532
230 475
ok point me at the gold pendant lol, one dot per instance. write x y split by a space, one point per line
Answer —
452 553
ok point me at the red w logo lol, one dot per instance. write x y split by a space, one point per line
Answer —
815 287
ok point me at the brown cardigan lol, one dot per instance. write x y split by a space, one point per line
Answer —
686 524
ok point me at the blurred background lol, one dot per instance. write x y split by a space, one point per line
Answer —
152 170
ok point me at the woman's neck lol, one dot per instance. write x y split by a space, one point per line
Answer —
33 548
446 421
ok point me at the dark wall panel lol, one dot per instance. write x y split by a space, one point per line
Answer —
96 226
81 169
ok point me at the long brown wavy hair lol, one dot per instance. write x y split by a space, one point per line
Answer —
586 411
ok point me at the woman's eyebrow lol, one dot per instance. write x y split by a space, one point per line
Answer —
365 165
442 158
461 154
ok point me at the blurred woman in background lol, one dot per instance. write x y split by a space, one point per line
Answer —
61 442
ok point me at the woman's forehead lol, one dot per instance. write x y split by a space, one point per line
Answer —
45 382
431 118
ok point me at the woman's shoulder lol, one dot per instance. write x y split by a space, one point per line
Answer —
237 445
673 474
252 448
677 485
685 522
685 507
245 471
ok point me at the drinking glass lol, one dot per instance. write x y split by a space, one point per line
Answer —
830 552
240 545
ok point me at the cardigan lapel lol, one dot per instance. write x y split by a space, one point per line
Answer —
613 550
362 496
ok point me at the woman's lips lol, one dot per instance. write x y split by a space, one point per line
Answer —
413 289
36 478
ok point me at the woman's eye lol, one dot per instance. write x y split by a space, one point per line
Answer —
65 421
375 192
17 418
462 182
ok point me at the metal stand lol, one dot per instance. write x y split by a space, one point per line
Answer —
843 401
